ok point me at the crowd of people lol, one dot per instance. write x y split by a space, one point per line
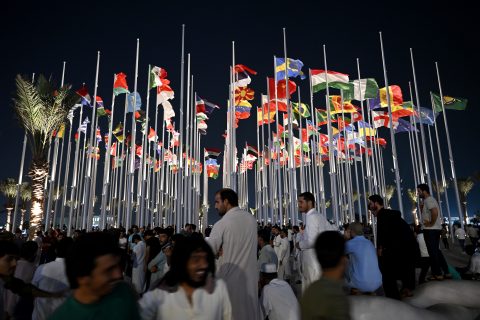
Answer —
237 269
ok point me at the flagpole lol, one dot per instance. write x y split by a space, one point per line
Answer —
367 160
450 153
53 169
232 139
124 161
442 172
145 151
392 135
414 136
65 178
292 199
106 167
80 199
131 171
422 134
440 213
332 173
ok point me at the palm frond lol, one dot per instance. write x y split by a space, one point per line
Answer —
9 187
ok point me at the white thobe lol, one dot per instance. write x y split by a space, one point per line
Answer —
315 223
50 277
283 259
161 304
138 270
279 302
277 242
236 234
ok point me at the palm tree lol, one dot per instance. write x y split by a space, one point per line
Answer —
412 196
40 109
465 185
389 191
9 189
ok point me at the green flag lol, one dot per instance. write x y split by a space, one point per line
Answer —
361 90
449 103
302 109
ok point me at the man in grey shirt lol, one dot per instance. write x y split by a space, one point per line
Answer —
432 225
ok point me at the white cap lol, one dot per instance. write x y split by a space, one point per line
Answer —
268 268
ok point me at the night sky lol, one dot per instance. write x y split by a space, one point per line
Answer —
38 36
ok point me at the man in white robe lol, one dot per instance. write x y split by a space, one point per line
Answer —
236 235
139 267
315 223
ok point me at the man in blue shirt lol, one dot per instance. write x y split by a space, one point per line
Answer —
362 273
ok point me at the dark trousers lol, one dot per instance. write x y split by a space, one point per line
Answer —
397 268
437 260
445 243
424 266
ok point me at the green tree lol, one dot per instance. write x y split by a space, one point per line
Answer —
40 109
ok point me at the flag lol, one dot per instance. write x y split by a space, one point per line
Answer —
242 110
152 135
83 126
450 103
285 121
72 111
242 78
98 135
83 93
113 149
335 80
404 110
252 150
156 76
133 99
61 131
396 97
120 84
75 136
281 88
427 116
293 67
403 126
102 112
168 110
118 132
264 116
212 153
365 129
201 116
243 93
336 105
361 89
301 109
164 92
381 119
322 117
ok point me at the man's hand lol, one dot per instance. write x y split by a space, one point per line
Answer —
154 269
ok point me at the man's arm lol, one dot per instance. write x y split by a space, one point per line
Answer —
216 238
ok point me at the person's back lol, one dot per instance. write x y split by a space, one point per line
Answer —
279 302
119 304
51 277
325 298
362 272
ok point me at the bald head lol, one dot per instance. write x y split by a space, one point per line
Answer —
356 229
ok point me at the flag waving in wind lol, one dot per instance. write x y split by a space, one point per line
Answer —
120 84
293 67
335 80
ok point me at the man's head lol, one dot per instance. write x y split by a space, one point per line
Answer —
263 238
283 233
354 229
136 238
148 234
330 250
375 203
423 190
225 199
268 272
191 263
93 264
275 230
134 229
162 236
306 201
63 246
28 251
8 258
296 229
